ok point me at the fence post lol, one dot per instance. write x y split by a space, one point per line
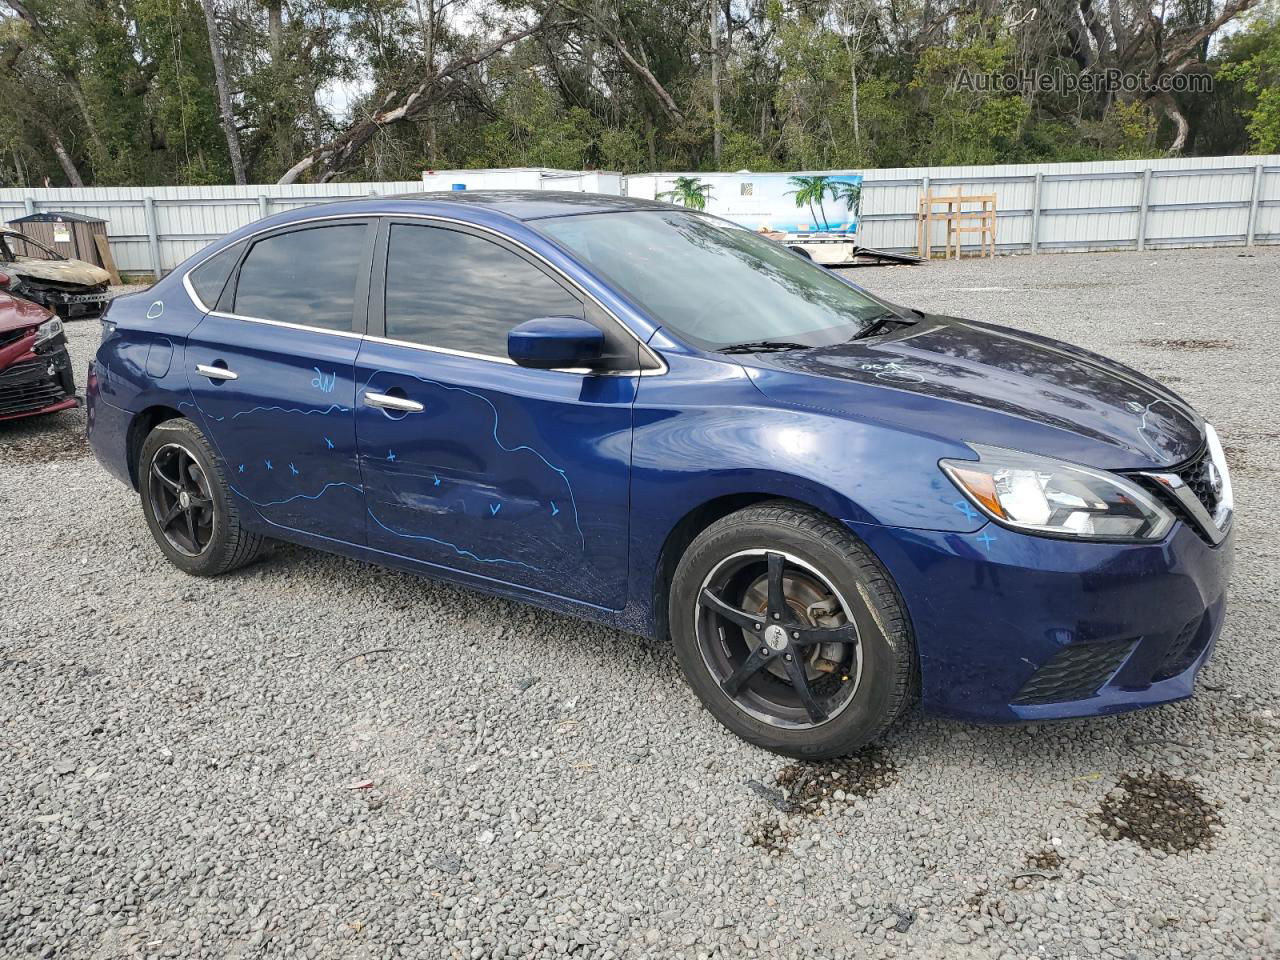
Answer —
1253 206
29 204
1035 213
924 239
153 236
264 206
1142 210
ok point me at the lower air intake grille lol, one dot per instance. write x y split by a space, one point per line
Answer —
1182 651
1075 672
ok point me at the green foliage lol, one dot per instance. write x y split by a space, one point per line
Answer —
125 91
1253 60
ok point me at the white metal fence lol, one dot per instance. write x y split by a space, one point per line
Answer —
1120 205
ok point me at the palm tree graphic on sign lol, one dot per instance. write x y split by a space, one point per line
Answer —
689 192
814 189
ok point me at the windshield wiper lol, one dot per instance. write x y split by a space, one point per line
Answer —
764 346
878 321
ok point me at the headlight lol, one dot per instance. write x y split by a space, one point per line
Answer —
48 330
1054 497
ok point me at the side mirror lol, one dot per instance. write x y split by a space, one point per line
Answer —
552 343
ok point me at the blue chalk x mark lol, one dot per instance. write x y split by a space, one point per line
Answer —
391 456
328 442
268 463
494 508
987 539
436 480
554 509
966 508
293 469
240 469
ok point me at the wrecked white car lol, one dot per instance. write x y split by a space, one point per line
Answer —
71 288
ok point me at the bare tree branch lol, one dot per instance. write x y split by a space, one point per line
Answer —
397 106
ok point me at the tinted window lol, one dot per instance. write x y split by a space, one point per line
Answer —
715 283
456 290
210 277
308 277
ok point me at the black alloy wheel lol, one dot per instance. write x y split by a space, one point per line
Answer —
778 639
181 500
791 632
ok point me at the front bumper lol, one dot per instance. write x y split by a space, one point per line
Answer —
37 383
67 305
1011 627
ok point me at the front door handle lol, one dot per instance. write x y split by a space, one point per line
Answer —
388 402
216 373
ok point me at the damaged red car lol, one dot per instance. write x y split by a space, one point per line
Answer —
35 371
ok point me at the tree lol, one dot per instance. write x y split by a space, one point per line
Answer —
224 94
1253 60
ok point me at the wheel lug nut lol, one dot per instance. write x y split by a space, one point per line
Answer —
795 635
756 625
788 656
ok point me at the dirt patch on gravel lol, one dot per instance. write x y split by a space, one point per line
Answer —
809 786
770 835
811 790
1159 812
43 440
1047 859
1187 344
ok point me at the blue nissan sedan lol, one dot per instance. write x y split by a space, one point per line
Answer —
652 418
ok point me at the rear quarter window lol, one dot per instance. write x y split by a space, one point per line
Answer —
208 279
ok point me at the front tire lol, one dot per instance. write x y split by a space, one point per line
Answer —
188 504
791 633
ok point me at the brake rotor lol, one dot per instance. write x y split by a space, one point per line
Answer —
811 605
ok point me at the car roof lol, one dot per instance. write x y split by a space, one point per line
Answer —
536 204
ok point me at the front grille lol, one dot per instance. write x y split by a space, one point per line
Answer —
1075 672
27 386
1195 474
1187 644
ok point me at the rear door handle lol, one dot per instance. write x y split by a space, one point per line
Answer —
216 373
388 402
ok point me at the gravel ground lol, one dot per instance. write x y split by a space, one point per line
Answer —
214 768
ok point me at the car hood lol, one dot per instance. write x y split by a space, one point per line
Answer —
16 313
59 271
1017 390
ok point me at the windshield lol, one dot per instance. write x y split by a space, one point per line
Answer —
15 245
712 283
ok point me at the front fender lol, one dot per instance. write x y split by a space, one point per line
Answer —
703 432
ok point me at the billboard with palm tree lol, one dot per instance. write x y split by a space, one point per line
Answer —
780 202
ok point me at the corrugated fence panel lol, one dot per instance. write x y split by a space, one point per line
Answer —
1080 206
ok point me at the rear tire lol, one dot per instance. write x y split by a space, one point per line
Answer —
791 632
188 505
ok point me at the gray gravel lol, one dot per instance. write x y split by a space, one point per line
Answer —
187 760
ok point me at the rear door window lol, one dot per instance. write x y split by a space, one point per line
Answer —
450 289
307 276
